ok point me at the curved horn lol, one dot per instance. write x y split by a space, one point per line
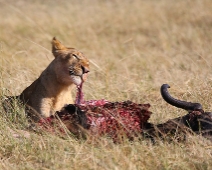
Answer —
178 103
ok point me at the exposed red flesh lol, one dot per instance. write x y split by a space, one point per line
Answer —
112 119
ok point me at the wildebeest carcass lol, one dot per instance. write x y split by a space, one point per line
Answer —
129 119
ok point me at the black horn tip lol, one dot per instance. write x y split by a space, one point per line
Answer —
165 86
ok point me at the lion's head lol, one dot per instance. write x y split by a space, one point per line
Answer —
70 65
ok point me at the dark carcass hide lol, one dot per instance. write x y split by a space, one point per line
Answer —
197 121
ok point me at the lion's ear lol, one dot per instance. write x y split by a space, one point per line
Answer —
57 47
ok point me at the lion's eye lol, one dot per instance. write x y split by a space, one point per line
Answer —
75 56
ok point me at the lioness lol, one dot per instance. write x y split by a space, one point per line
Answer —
52 90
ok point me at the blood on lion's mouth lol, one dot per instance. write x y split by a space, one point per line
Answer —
84 76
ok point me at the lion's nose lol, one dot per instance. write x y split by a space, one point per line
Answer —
85 70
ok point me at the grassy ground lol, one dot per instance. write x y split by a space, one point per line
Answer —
134 47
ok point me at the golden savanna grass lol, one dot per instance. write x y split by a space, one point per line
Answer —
134 47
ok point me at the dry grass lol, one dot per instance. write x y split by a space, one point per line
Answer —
134 47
